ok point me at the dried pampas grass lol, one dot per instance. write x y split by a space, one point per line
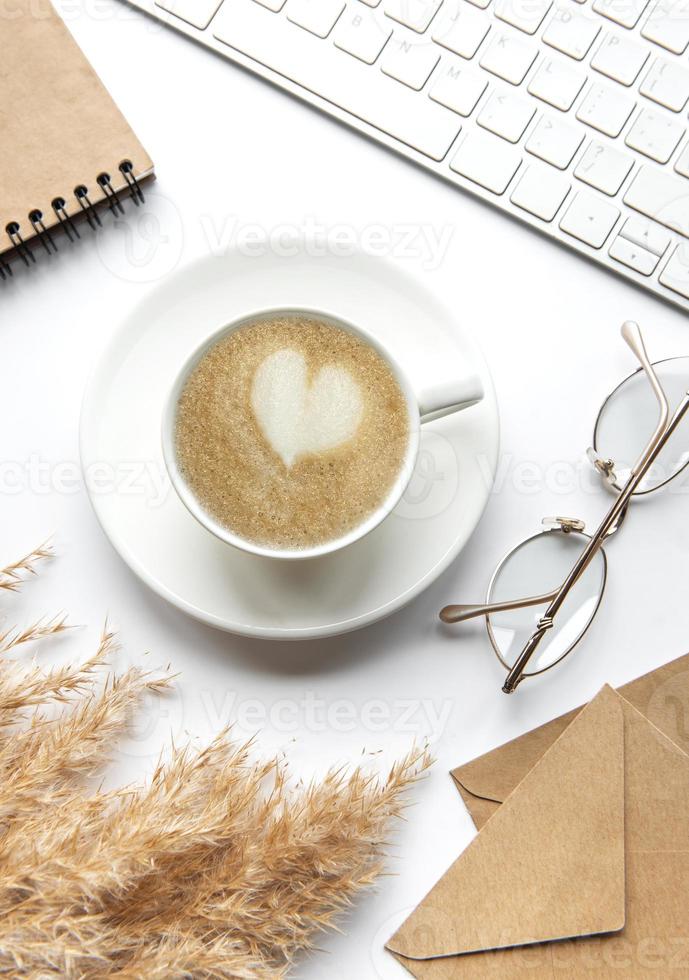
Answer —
13 575
216 868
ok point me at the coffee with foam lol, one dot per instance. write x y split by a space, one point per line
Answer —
291 431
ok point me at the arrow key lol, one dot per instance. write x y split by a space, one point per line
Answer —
633 256
589 219
647 234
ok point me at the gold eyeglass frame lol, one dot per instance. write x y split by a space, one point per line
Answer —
611 523
596 459
555 525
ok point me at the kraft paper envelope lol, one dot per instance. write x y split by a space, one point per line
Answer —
662 695
582 872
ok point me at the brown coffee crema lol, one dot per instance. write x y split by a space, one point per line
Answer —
291 431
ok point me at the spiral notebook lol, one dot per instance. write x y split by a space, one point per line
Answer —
66 151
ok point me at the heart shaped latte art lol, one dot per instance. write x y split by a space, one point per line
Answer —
297 418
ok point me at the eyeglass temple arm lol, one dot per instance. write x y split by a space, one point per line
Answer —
460 614
632 335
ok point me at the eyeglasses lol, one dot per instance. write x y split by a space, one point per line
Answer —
556 578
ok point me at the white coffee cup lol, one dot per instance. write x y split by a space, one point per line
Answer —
444 398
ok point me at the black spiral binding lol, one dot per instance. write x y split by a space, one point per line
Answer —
5 269
127 171
66 223
113 200
59 205
23 250
41 232
82 195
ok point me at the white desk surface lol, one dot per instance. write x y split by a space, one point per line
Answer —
230 152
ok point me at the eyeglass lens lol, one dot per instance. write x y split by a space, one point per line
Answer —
536 567
629 417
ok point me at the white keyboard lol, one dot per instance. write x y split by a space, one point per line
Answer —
570 116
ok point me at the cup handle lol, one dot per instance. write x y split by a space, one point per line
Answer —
449 397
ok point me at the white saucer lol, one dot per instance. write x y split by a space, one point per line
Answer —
123 465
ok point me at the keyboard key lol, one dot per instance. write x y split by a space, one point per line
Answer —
682 165
541 191
655 135
606 109
555 142
457 87
590 219
317 16
508 57
488 161
273 5
626 13
506 115
668 25
620 59
675 275
603 167
409 62
198 13
482 4
571 32
633 256
460 28
667 84
338 78
661 196
647 234
361 33
416 14
370 3
557 83
526 15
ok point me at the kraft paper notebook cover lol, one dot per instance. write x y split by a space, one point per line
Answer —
65 148
582 872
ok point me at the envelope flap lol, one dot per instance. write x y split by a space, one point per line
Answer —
495 774
549 864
